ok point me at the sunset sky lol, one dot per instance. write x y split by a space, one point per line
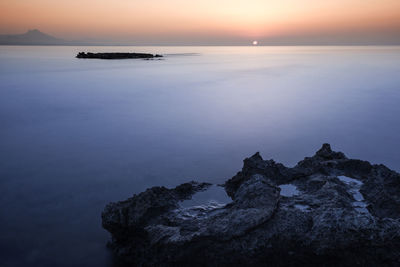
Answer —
207 21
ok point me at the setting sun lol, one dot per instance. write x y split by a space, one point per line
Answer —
202 22
130 130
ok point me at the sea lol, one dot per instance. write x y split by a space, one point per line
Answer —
76 134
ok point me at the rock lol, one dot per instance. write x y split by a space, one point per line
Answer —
328 210
117 55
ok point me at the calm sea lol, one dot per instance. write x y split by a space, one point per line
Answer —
76 134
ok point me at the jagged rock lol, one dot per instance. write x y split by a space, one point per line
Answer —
117 55
328 210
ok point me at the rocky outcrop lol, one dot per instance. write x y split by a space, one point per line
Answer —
328 210
117 55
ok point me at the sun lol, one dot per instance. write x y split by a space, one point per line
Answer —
255 42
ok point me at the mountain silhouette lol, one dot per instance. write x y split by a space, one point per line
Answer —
31 37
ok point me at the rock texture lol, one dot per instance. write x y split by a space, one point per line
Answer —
328 210
116 55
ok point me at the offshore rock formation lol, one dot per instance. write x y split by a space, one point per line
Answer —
328 210
117 55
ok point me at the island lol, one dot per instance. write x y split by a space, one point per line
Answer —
115 55
328 210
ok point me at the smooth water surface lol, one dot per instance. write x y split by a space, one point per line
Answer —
288 190
214 194
76 134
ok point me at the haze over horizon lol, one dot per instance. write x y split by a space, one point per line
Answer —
207 22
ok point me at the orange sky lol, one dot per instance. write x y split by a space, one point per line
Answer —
223 20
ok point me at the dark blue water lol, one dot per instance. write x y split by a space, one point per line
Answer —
76 134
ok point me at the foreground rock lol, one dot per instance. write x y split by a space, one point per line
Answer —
328 210
117 55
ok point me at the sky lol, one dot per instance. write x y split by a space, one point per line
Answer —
208 21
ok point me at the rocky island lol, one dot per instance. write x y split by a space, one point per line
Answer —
117 55
327 210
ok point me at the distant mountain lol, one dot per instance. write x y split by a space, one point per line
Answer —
31 37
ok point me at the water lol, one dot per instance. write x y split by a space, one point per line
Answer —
214 194
355 186
76 134
204 204
288 190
